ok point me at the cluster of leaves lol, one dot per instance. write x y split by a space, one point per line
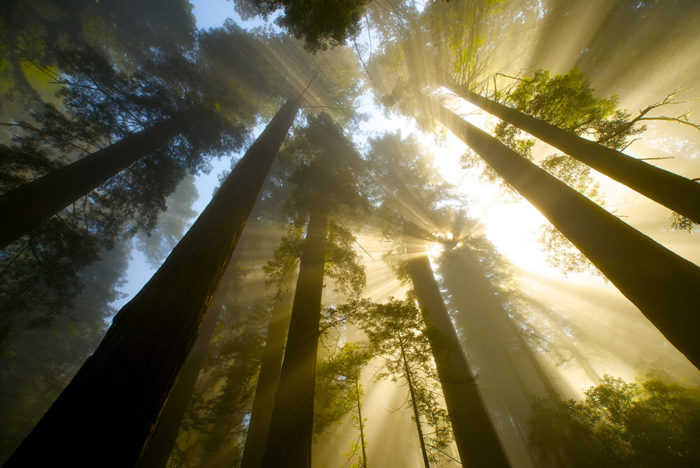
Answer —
567 101
338 389
648 424
98 103
311 20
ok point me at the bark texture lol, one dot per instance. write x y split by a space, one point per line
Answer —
268 381
671 190
660 283
160 444
476 438
107 412
27 206
289 437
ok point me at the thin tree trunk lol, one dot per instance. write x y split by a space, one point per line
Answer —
671 190
661 284
268 381
160 444
107 412
476 438
414 405
362 423
27 206
289 438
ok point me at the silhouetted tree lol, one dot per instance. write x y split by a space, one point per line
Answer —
122 387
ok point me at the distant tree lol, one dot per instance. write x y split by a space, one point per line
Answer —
38 361
476 438
396 332
342 266
647 424
172 224
338 386
325 182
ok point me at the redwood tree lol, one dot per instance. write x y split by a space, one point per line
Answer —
476 438
660 283
325 181
108 411
671 190
27 206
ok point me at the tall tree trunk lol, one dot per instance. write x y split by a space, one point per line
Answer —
27 206
476 438
107 412
160 444
289 437
268 381
661 284
414 405
671 190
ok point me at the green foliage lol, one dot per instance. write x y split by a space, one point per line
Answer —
681 223
560 252
342 263
172 224
337 378
396 332
326 163
567 101
311 20
648 424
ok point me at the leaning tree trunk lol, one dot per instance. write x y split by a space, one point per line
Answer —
268 381
107 412
476 438
661 284
27 206
671 190
289 436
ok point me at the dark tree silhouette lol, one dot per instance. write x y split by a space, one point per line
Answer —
31 204
114 401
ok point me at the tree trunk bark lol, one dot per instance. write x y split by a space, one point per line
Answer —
661 284
268 381
671 190
289 438
27 206
476 438
107 412
160 444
